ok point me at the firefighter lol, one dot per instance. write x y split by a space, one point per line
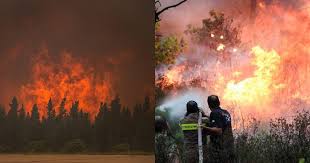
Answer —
221 148
189 127
166 150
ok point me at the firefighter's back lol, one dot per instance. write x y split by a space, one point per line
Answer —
189 127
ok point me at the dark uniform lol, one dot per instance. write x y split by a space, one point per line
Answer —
221 146
189 126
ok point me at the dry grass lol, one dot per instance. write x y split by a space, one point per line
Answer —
19 158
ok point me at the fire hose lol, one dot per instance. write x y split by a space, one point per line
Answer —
200 148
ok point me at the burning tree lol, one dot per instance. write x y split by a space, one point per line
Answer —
167 48
217 33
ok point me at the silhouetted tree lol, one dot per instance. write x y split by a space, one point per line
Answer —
22 113
49 126
113 129
12 125
62 111
35 127
74 110
3 134
101 127
148 125
22 127
62 134
12 114
51 113
115 119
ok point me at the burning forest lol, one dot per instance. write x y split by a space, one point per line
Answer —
75 77
257 59
67 106
66 78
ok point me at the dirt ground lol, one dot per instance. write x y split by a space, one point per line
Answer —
14 158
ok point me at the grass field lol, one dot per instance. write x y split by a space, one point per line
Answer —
19 158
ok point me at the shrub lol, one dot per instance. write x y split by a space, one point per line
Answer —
121 148
74 146
36 146
5 149
284 142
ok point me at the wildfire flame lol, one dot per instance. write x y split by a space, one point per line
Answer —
257 89
269 74
66 78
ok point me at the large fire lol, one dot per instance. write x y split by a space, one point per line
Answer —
258 88
267 76
64 77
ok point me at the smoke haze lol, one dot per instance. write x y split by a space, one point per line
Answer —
110 38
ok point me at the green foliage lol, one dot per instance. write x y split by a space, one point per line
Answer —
166 47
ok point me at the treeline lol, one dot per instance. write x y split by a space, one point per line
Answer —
115 128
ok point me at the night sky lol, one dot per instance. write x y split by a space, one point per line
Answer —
111 36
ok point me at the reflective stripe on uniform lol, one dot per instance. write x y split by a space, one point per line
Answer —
189 126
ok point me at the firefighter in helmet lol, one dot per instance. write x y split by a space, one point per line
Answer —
189 125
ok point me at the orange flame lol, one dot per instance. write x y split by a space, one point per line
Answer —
276 82
69 78
255 90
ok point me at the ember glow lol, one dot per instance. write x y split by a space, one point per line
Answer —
220 47
68 78
267 76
